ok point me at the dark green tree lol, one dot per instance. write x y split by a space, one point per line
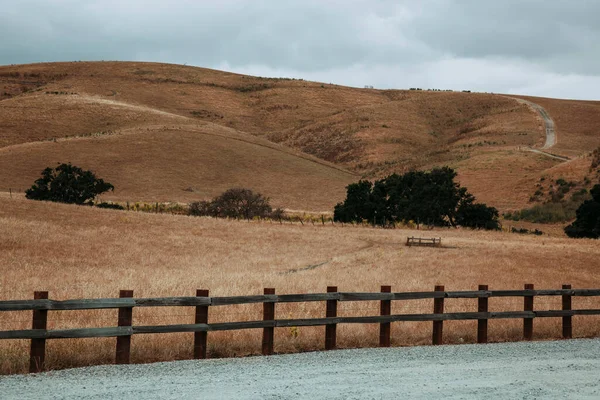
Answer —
478 216
587 223
68 184
431 198
358 204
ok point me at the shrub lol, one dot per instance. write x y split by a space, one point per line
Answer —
67 184
559 209
542 213
587 224
200 208
595 159
477 216
234 203
526 231
111 206
561 182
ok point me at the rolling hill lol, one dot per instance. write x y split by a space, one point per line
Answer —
163 132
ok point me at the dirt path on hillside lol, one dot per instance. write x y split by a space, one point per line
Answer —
236 135
550 130
121 104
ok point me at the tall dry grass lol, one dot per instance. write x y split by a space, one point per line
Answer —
78 252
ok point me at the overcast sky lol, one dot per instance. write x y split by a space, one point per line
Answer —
537 47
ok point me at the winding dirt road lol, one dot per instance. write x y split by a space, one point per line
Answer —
550 130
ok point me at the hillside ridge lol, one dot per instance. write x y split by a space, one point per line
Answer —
354 132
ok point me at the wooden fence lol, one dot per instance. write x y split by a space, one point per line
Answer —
41 305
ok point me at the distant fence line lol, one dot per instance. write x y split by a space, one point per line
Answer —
41 305
291 217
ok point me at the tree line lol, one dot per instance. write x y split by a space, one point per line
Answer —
422 197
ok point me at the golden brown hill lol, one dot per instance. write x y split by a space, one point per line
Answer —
155 130
577 124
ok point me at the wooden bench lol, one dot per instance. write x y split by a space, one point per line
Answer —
431 242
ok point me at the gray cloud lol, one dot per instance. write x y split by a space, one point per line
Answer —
535 47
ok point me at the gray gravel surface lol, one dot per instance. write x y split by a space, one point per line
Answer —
548 122
562 369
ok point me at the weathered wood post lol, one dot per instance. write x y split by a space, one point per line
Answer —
385 327
567 321
528 306
438 326
200 338
125 319
482 324
268 332
37 354
331 312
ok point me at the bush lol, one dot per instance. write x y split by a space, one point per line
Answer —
111 206
587 224
595 159
477 216
235 203
68 184
524 231
557 210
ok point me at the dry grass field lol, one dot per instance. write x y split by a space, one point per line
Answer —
80 252
171 133
163 132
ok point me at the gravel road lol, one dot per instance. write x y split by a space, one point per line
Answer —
561 369
548 122
550 131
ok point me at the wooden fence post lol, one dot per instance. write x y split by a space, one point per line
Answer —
331 312
384 327
438 326
37 352
200 338
567 321
124 342
268 332
528 306
482 324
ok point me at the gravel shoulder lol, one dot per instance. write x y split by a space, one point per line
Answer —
527 370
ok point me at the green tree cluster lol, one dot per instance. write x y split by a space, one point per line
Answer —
67 184
587 224
431 198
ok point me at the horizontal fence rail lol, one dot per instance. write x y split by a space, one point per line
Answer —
95 304
41 305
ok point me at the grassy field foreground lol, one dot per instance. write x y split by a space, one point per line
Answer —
79 252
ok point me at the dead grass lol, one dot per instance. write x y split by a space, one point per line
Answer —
78 252
169 109
183 164
576 124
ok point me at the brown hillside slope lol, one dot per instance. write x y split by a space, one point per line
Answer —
577 124
371 132
148 153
